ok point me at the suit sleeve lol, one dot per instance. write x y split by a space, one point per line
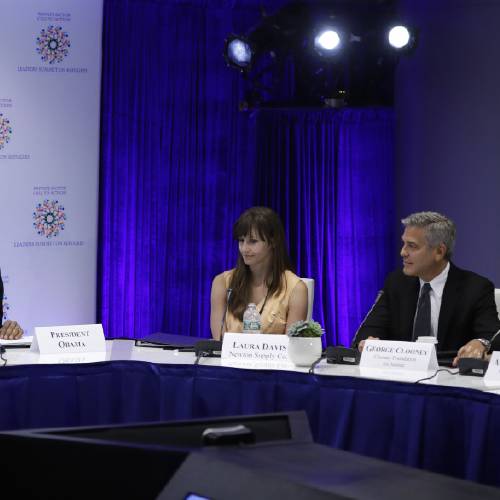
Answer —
377 321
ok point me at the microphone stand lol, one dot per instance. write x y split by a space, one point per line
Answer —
212 348
379 296
493 339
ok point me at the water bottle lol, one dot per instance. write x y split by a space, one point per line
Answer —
251 319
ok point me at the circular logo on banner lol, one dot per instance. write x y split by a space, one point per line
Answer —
6 307
53 44
5 131
49 218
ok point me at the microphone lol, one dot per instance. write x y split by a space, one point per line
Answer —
342 355
2 351
207 349
472 366
212 348
493 339
338 355
354 342
229 291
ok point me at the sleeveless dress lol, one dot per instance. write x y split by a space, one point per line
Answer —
275 311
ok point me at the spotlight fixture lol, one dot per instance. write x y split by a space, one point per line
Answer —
238 52
327 41
321 53
399 37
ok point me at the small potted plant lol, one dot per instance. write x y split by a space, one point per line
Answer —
304 342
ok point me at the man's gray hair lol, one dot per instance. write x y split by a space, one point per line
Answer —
438 229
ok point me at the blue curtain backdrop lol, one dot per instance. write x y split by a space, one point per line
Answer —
176 162
330 176
179 163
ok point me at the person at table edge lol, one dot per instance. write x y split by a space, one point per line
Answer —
10 329
262 275
463 314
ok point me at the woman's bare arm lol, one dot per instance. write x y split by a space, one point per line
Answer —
297 307
217 305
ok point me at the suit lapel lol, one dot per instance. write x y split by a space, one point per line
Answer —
448 303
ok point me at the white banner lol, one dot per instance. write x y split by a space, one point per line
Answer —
49 158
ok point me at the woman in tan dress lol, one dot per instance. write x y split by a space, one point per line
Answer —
262 275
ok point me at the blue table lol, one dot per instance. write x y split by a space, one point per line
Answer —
446 430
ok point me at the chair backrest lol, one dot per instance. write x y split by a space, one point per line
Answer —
497 300
310 296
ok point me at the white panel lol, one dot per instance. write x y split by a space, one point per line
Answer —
51 159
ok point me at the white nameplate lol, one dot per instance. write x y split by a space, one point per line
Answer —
68 339
398 356
255 351
492 376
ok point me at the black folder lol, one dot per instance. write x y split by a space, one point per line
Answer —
167 341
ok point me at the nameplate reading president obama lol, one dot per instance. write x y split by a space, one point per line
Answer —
68 339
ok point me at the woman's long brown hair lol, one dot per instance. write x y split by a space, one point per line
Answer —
266 224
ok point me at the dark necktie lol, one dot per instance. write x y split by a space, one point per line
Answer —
422 326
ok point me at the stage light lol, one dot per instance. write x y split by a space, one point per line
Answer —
238 52
399 37
333 54
327 41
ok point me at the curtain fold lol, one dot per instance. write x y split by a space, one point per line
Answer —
330 176
176 162
179 163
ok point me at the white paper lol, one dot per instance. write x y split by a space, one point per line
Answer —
27 339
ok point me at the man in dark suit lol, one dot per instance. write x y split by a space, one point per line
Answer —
10 329
431 296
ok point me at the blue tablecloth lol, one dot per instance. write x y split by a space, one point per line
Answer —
446 430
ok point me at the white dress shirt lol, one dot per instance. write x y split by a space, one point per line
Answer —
435 296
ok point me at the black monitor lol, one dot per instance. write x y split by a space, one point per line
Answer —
123 461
